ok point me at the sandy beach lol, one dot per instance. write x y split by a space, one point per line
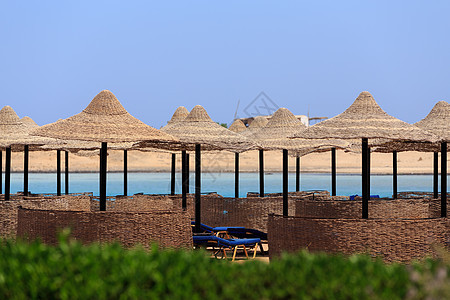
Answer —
408 162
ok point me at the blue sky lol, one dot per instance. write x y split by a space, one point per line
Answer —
55 56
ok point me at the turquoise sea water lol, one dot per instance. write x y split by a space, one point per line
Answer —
222 183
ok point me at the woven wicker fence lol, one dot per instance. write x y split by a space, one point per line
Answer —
378 208
9 215
391 239
167 228
134 203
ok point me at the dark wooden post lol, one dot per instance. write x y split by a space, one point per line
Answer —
58 172
444 179
285 183
1 172
436 175
394 173
188 174
172 175
66 170
125 173
25 169
297 174
7 173
183 180
365 175
103 170
236 175
369 158
261 173
333 172
198 171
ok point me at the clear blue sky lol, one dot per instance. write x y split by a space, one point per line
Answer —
55 56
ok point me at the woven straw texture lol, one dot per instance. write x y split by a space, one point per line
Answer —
29 122
237 126
8 209
437 121
257 123
14 132
179 115
198 128
274 136
104 120
365 119
394 240
167 228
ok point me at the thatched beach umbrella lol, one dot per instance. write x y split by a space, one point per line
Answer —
365 119
274 136
105 121
438 123
198 131
14 136
179 115
29 122
237 126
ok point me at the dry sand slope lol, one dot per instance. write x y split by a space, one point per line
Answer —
408 162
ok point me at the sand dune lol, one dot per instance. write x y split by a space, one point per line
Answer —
408 162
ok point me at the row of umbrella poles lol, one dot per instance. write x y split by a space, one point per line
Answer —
105 117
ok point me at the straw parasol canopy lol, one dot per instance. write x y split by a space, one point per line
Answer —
437 122
198 128
365 119
257 123
29 122
179 115
237 126
105 120
14 133
274 136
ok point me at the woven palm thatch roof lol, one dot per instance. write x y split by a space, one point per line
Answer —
179 115
198 128
14 133
437 121
365 119
237 126
105 120
257 123
29 122
274 136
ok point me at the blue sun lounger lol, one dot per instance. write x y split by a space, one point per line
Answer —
239 232
227 244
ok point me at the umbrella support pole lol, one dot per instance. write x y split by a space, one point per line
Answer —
198 171
172 175
187 173
236 175
444 179
1 172
103 168
183 180
436 175
66 173
333 172
261 173
285 183
365 175
58 172
7 173
25 169
394 174
125 173
297 174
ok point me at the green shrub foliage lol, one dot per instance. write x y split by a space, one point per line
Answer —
73 271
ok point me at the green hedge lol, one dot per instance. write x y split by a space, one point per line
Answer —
73 271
